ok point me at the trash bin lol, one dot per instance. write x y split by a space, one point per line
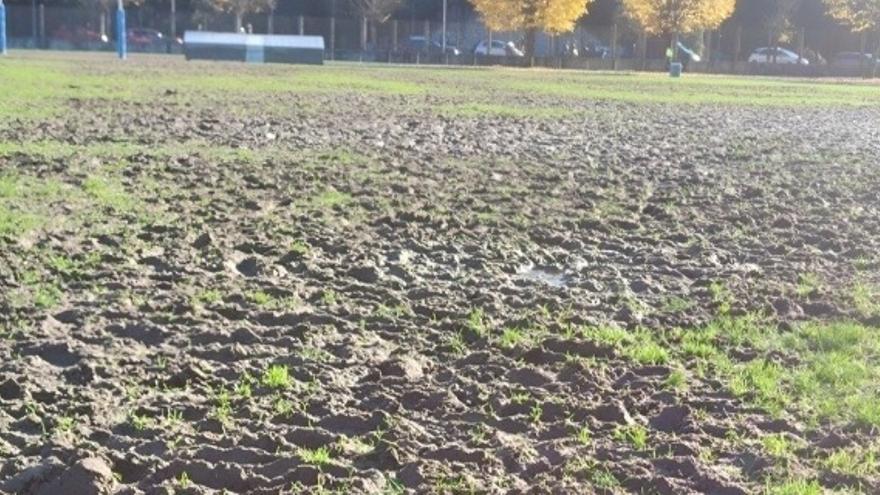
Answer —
675 69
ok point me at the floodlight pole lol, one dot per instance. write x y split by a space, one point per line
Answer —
444 25
121 48
2 28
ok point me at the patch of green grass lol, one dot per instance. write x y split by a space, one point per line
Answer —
268 301
512 337
721 297
330 199
808 283
140 422
318 457
583 436
47 296
778 445
183 480
865 298
762 382
15 223
277 376
635 435
108 192
393 311
328 297
283 407
677 380
222 410
853 462
796 487
644 349
64 424
677 304
244 386
299 247
607 335
476 323
208 296
604 479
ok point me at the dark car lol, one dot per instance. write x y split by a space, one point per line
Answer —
79 37
421 44
144 37
854 61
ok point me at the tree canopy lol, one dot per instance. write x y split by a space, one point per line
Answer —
553 16
859 15
678 16
377 10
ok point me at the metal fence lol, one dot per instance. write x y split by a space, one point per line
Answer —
614 47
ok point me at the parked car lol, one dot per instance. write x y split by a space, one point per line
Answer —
782 56
79 36
421 44
854 61
144 37
499 49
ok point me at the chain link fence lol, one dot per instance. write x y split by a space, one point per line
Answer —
730 49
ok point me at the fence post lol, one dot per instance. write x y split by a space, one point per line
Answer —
363 37
708 49
42 38
2 28
643 49
332 38
489 47
614 47
863 48
302 25
34 21
737 47
173 33
801 43
121 48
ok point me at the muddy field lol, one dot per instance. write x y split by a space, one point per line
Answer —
260 280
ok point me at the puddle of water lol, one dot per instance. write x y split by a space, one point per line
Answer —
543 274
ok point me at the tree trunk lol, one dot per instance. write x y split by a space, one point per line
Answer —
270 22
863 40
103 23
238 20
531 37
876 60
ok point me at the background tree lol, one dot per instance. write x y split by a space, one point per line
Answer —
376 12
675 17
778 21
862 17
240 8
104 8
552 16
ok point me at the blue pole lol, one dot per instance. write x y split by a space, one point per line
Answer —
2 28
121 48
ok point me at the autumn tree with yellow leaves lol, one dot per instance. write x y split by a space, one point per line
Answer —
861 16
675 17
532 16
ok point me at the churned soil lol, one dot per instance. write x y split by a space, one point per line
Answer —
352 292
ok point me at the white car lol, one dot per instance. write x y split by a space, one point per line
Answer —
499 49
783 56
